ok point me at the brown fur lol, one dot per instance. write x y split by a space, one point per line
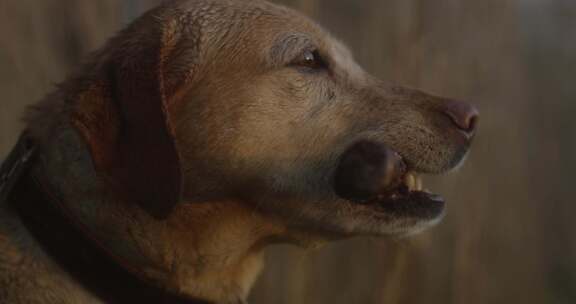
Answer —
253 140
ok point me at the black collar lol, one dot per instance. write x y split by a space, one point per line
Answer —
75 252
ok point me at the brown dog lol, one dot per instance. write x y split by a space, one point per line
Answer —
199 135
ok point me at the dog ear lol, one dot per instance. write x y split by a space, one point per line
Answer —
122 115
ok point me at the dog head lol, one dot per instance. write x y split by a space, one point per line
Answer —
245 100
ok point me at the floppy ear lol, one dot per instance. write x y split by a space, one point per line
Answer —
122 115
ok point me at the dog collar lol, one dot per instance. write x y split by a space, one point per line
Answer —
43 215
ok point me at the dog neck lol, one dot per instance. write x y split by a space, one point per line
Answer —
92 267
204 249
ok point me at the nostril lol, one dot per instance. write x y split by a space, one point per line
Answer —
463 115
473 121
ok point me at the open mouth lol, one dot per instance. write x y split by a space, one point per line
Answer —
373 175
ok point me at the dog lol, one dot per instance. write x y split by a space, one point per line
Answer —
204 132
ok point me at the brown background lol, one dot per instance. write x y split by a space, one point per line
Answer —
509 236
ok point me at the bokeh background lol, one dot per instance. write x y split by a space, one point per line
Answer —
510 233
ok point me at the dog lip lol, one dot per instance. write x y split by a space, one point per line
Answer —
419 204
366 169
397 188
408 200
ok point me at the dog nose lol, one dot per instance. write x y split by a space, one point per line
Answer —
463 115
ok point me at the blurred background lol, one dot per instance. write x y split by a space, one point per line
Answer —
510 234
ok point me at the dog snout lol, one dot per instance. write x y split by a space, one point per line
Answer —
463 115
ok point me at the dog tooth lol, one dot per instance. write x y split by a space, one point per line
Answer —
410 181
418 183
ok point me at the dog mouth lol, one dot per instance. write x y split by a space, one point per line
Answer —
373 175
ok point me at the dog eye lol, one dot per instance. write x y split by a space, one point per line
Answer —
311 60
